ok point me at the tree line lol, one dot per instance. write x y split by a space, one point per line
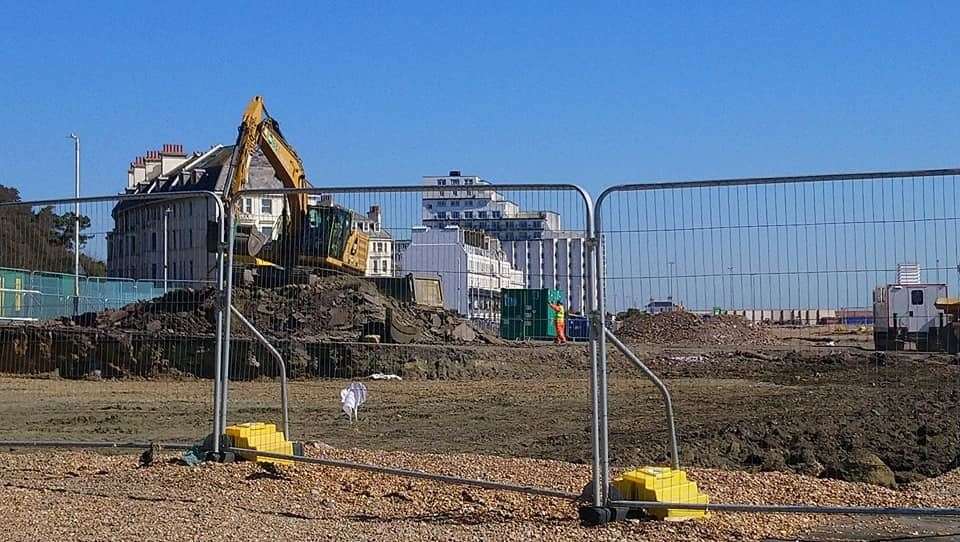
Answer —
42 240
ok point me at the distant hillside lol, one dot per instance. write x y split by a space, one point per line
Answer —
41 240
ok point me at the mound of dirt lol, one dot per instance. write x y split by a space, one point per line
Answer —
687 328
334 308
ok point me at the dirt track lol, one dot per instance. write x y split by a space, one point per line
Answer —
804 412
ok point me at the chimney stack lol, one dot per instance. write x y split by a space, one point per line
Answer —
139 171
152 164
171 157
374 214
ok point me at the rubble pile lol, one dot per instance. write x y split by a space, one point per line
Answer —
334 308
687 328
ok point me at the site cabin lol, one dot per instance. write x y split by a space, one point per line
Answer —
906 313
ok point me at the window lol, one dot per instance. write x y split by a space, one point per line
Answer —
443 192
441 182
441 214
133 245
376 226
191 208
248 205
916 297
190 237
376 266
455 182
153 242
455 214
468 214
482 214
267 231
497 214
153 271
429 206
191 269
441 204
386 268
266 206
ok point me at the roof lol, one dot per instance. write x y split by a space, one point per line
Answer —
205 172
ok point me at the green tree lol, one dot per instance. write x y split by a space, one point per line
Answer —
41 240
63 229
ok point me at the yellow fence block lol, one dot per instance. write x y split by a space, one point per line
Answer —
262 437
662 484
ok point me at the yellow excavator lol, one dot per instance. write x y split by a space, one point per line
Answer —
308 236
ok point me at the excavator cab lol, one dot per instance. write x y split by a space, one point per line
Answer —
330 241
324 236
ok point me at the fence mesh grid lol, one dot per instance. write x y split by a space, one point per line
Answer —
445 320
93 341
755 301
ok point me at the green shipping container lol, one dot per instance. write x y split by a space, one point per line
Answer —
525 313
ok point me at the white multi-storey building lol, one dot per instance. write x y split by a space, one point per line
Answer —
380 250
532 241
470 265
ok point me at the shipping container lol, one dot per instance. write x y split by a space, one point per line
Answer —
525 313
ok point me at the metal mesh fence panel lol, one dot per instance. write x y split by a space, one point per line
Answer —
803 325
106 340
440 302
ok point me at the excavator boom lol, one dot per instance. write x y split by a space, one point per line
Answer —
259 130
301 241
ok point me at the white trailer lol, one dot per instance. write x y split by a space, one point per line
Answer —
906 313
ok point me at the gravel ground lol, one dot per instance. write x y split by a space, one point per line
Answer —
89 496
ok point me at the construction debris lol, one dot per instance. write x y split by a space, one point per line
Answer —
333 308
689 329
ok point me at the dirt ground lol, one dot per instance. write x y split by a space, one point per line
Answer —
806 406
794 409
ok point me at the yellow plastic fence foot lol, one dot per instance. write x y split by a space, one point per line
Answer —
263 437
662 484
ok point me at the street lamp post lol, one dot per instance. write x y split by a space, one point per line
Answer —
166 251
731 286
670 266
76 224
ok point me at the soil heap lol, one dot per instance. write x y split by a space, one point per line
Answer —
686 328
335 308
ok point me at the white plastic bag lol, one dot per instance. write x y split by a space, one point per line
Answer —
351 398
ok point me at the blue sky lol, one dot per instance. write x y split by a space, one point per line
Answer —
382 93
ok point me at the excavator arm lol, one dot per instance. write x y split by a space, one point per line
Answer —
312 237
259 130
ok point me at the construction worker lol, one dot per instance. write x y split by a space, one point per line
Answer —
561 323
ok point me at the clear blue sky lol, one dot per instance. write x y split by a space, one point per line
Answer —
591 93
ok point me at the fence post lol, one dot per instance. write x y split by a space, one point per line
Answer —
593 277
225 309
218 352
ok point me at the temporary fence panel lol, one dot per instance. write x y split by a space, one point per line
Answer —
754 300
38 295
387 305
106 343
